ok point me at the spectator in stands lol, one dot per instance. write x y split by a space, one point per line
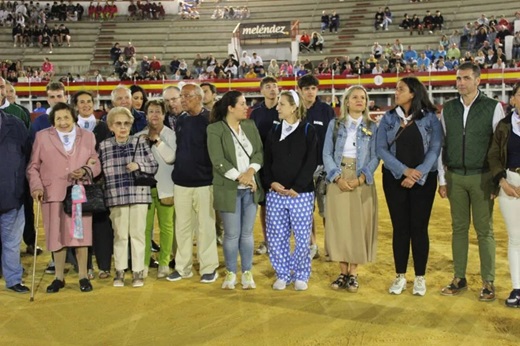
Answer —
155 65
410 55
38 108
145 66
243 69
115 52
48 67
317 41
174 64
480 58
500 54
121 68
132 10
445 42
129 51
133 66
453 51
64 35
416 24
516 46
198 64
397 47
440 53
256 59
17 35
501 35
466 35
427 22
377 68
183 68
334 22
438 21
406 23
482 20
79 10
230 70
379 19
455 37
480 37
377 50
245 58
305 42
250 74
273 70
325 21
387 20
499 64
490 58
286 69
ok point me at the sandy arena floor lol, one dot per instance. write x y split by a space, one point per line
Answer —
191 313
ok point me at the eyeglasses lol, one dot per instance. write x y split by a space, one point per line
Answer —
188 96
123 124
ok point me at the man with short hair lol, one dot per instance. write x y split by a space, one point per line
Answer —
256 59
29 233
172 100
55 94
266 117
453 51
210 95
15 148
423 60
121 96
319 114
469 122
11 108
193 191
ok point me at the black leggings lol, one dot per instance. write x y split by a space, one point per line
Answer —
410 211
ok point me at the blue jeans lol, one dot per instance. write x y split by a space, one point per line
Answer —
238 232
11 231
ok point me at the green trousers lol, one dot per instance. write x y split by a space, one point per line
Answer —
165 215
469 196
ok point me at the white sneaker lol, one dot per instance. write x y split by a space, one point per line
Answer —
262 248
300 285
313 253
229 281
163 272
279 285
247 281
145 272
398 285
419 286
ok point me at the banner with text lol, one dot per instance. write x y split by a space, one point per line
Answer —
265 30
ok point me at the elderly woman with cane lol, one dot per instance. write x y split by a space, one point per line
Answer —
63 154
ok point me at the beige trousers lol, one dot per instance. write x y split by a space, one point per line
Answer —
194 205
129 221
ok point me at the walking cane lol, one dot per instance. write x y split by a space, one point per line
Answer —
37 222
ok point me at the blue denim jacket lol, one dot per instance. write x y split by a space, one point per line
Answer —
366 158
431 131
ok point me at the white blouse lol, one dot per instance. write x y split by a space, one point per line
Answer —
349 150
243 162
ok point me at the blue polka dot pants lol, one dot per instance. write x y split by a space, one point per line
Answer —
283 214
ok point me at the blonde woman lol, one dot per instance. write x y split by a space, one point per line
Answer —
290 159
273 70
349 157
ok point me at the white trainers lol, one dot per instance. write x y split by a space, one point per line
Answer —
279 285
229 281
163 272
300 285
398 285
262 248
419 286
247 281
313 253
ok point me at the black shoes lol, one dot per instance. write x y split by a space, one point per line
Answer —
153 263
155 247
55 286
19 288
85 285
30 250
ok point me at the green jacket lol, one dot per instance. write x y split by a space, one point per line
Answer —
18 112
222 153
497 154
465 148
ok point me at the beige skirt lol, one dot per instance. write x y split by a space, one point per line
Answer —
351 227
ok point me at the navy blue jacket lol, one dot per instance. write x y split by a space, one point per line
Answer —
15 149
319 116
41 122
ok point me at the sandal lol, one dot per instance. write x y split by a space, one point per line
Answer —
103 274
90 274
340 282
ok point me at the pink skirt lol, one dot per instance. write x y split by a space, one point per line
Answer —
57 227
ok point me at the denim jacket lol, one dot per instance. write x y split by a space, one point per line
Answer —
431 132
366 158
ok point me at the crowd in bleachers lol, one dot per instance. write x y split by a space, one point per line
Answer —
230 12
32 13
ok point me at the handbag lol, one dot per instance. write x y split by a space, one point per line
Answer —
141 178
93 192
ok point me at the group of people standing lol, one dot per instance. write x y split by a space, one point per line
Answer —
229 164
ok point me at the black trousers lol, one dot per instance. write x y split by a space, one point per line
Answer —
410 211
102 241
29 234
